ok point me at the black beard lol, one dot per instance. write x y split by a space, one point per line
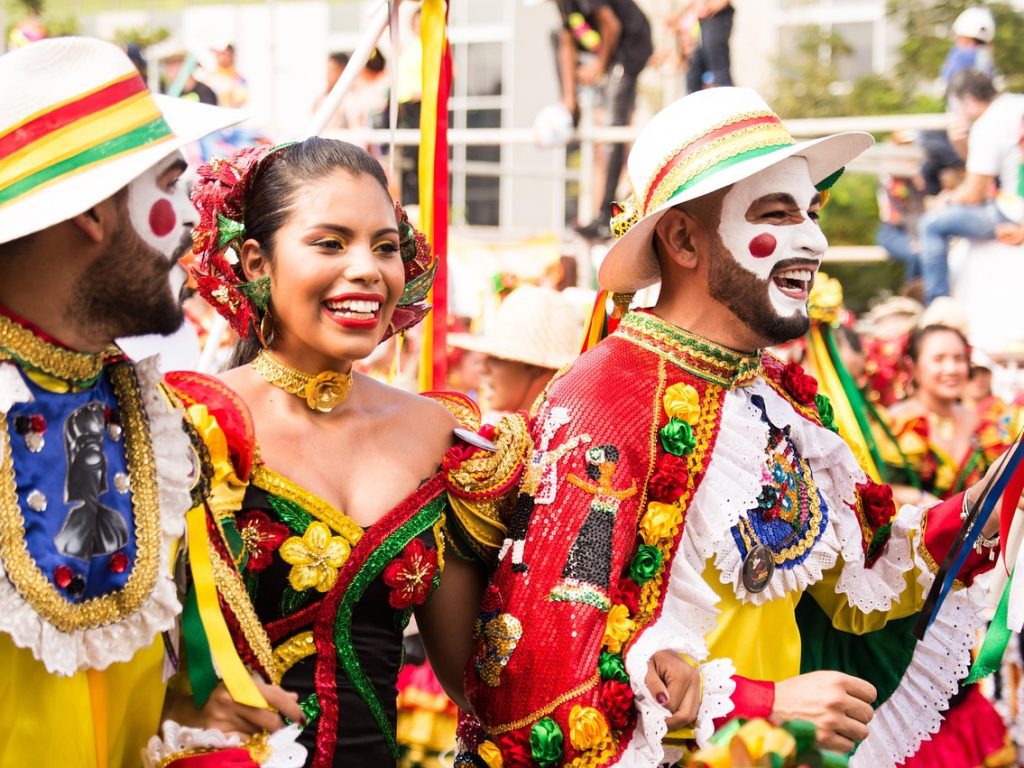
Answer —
746 296
127 292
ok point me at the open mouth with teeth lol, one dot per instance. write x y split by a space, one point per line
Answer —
794 282
353 312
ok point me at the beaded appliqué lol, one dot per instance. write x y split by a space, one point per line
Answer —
587 572
790 514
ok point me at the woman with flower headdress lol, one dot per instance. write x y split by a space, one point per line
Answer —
325 520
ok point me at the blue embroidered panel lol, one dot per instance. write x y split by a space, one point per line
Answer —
84 539
791 513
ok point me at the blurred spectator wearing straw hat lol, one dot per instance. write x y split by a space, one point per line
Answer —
532 334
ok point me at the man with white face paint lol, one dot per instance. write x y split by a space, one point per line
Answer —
692 494
95 468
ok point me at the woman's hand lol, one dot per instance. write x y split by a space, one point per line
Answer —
676 685
224 714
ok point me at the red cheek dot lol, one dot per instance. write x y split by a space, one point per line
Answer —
162 218
763 245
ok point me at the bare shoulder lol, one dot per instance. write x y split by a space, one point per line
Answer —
423 420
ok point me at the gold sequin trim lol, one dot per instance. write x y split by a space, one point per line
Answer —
33 352
230 587
670 156
293 650
547 709
322 510
21 568
713 153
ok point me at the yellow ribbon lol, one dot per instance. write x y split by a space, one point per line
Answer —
433 37
845 419
232 671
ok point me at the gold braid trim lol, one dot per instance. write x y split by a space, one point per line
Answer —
271 482
30 350
293 650
547 709
22 569
473 486
232 590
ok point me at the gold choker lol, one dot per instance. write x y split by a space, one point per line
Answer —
323 392
78 368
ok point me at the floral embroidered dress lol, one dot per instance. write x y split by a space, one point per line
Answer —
94 485
920 461
684 496
310 600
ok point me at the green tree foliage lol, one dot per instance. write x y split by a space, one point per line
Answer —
141 36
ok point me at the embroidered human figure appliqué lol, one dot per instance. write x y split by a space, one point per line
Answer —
586 577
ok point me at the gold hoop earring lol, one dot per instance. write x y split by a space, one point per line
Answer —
266 328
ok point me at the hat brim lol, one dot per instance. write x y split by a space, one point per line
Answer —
504 349
631 263
70 195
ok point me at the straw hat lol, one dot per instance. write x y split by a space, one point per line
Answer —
77 124
695 146
533 325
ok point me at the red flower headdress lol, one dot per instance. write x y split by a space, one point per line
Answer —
220 195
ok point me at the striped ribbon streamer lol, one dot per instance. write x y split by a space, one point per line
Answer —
433 157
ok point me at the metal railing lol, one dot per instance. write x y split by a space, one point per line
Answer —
882 157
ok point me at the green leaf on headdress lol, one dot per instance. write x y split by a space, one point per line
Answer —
418 288
257 291
228 230
828 181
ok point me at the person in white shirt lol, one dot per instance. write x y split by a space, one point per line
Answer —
993 154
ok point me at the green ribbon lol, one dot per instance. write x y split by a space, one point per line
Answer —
201 673
803 734
990 655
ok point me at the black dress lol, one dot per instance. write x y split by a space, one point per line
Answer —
340 649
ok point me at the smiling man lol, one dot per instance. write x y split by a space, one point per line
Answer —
94 465
688 491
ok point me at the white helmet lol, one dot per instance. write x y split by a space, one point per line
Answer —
976 23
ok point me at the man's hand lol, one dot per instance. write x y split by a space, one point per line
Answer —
676 686
839 706
221 711
589 73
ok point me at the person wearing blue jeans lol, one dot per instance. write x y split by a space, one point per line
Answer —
975 222
993 158
899 244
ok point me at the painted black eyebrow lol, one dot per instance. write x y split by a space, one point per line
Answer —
785 199
349 232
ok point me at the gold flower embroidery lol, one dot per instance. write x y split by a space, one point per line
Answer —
315 558
658 522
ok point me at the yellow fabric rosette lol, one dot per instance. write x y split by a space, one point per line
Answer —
754 744
488 752
619 628
587 727
682 401
659 521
